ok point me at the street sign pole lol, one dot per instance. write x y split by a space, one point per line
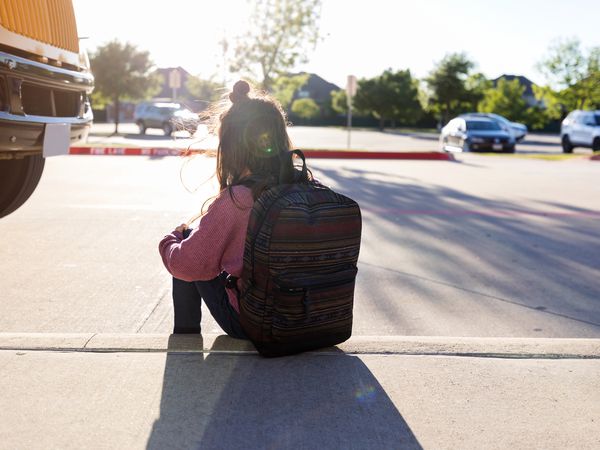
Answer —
350 92
174 82
349 122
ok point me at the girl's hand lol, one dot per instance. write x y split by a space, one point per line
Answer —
181 228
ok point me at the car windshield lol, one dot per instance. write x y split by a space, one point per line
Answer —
167 109
482 125
597 119
499 118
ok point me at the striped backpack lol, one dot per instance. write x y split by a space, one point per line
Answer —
300 257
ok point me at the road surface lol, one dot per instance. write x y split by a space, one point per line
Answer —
485 246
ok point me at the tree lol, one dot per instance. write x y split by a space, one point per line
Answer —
573 75
204 91
339 101
476 85
449 94
286 86
305 108
121 71
390 96
282 34
505 99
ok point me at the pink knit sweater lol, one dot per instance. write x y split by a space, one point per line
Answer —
217 243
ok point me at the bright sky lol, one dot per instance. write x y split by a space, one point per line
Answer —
359 37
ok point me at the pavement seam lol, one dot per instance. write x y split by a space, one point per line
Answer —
528 356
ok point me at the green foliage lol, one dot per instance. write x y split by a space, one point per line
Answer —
339 101
505 99
98 100
564 64
390 96
549 108
284 88
122 72
206 91
573 75
283 33
449 93
476 85
305 108
536 117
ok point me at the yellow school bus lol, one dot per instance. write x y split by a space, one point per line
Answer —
45 82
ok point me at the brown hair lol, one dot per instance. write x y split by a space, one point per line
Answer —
253 141
254 147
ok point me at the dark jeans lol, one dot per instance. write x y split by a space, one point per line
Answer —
187 302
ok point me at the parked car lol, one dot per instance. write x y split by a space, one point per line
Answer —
518 130
464 134
45 81
168 117
580 129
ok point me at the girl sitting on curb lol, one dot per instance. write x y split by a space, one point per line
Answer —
253 154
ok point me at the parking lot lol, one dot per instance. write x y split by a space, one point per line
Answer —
315 137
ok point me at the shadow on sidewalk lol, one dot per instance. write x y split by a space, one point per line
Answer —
244 401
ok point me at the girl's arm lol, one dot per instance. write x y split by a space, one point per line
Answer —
199 256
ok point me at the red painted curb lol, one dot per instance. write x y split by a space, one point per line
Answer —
129 151
343 154
331 154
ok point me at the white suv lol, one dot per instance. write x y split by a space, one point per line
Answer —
580 129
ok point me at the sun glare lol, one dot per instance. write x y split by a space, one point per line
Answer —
176 32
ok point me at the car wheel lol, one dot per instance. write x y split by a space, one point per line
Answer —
142 127
567 146
167 129
596 145
18 180
510 149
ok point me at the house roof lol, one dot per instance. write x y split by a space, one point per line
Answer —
318 88
169 69
523 81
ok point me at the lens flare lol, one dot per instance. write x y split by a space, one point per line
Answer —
365 394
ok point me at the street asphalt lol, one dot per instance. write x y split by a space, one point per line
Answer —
333 138
484 246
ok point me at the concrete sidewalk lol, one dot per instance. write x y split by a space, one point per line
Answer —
159 391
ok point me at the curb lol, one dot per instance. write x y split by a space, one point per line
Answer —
514 348
320 154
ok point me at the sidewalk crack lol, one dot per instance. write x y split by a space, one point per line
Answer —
160 299
88 341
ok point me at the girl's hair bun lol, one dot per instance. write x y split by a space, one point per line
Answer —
240 91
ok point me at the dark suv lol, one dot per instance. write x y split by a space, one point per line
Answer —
168 117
